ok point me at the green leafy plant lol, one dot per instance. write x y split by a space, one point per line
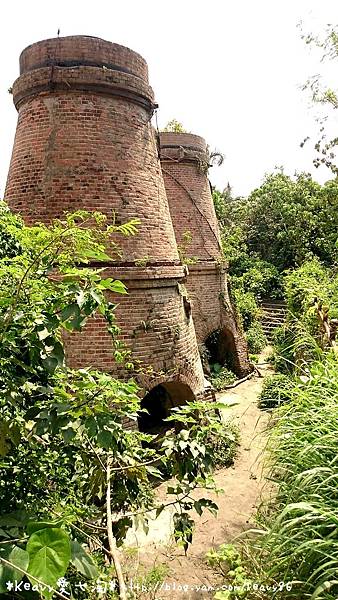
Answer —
283 357
255 337
143 261
298 540
276 390
71 472
174 126
183 249
247 307
227 561
224 445
221 377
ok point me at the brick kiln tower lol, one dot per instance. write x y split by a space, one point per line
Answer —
84 141
184 159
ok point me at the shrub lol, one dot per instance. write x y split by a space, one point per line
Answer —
256 338
283 343
174 126
64 449
310 283
247 307
221 377
276 390
228 562
223 445
257 276
304 284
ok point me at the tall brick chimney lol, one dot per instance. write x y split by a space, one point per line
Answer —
184 160
84 141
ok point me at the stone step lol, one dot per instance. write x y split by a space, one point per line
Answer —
272 325
273 321
274 303
273 316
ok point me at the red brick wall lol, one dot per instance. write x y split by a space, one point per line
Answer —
84 140
155 327
89 150
212 310
184 160
82 49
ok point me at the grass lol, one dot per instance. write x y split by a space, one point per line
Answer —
276 390
296 540
299 542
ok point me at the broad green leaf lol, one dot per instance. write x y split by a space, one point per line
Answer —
83 561
68 434
104 439
14 434
72 310
58 353
114 285
96 255
19 558
154 471
50 364
14 519
3 533
200 505
4 435
49 556
34 526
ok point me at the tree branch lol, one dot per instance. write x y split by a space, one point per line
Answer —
112 541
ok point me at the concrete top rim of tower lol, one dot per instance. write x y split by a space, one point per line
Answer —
104 49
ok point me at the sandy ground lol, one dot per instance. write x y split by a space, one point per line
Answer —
242 483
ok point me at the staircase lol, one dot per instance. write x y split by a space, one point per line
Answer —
274 315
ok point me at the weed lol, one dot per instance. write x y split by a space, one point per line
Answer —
276 390
221 377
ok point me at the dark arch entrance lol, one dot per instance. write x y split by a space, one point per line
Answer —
158 402
221 349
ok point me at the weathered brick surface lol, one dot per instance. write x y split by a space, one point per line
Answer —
77 49
84 140
184 160
212 310
154 326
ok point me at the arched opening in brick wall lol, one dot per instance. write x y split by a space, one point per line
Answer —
220 350
158 402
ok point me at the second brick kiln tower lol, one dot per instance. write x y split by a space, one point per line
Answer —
185 159
84 141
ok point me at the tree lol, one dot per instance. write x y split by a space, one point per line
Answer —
289 220
174 126
72 476
325 98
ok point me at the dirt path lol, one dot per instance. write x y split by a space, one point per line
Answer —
242 484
